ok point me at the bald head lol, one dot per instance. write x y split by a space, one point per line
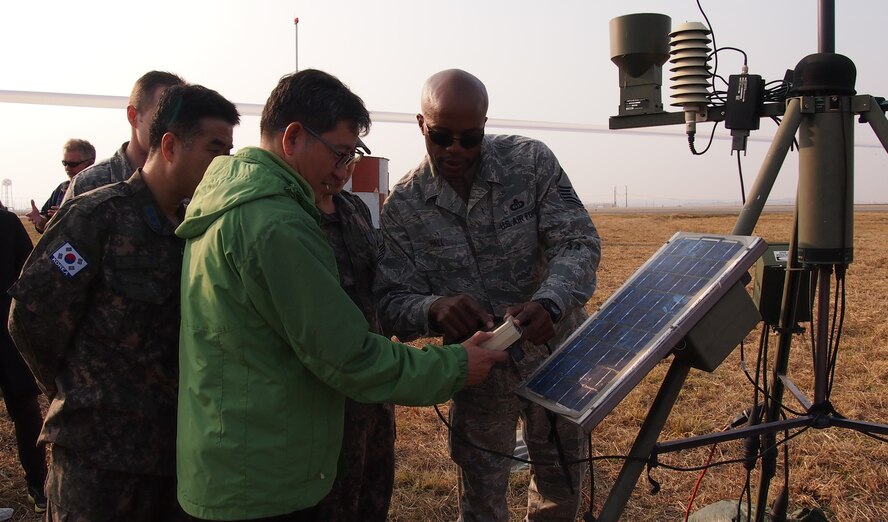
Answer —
453 92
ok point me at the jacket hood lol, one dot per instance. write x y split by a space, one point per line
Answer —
231 181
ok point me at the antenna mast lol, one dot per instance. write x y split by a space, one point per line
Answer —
296 31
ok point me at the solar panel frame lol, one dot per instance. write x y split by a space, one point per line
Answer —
699 276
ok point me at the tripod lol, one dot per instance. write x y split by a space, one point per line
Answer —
821 244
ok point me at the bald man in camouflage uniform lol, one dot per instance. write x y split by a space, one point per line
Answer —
485 227
95 315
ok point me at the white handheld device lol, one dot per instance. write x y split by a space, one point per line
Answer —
504 336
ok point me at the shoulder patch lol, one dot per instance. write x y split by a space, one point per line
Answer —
569 196
68 260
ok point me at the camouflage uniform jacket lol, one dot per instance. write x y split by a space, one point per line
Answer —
356 244
523 235
96 316
111 170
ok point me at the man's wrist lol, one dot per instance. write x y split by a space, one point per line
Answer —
551 308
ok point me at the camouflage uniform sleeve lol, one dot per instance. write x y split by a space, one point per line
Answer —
571 245
72 190
403 294
52 293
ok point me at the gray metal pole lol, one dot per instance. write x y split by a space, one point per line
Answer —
826 34
764 182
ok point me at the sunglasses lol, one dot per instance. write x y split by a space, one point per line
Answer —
74 163
444 139
343 159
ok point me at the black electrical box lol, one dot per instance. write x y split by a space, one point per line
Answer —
770 274
744 103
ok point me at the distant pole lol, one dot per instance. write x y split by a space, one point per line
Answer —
615 196
626 187
296 30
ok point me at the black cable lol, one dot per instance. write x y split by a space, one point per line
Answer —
832 363
590 515
748 496
714 46
812 291
471 444
691 142
740 172
719 49
744 492
754 381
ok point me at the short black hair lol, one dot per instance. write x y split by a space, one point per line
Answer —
181 108
316 99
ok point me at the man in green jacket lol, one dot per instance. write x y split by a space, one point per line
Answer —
270 344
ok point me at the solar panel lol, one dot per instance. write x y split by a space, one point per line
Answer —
616 347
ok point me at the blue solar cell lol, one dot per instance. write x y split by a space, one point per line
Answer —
630 328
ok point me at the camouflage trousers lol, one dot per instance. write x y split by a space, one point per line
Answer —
77 491
363 487
489 421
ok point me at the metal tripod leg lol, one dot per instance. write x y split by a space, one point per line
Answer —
645 442
767 175
876 118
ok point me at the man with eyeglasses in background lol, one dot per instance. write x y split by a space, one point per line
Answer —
132 154
77 155
270 343
489 226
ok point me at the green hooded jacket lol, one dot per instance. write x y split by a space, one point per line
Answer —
270 345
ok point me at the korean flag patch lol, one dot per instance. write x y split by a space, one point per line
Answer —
68 260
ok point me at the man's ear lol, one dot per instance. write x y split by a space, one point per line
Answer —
421 121
131 114
169 145
288 140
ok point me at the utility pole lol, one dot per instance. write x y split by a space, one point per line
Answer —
615 196
626 201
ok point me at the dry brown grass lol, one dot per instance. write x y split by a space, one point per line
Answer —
841 471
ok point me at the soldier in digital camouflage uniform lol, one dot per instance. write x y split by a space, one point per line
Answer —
132 154
363 488
485 227
95 315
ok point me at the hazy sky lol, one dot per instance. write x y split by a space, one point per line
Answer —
541 61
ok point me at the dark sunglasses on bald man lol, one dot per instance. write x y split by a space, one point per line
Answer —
445 139
74 163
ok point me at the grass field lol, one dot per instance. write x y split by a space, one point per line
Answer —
842 472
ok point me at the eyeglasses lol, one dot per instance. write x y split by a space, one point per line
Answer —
73 164
343 159
443 139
